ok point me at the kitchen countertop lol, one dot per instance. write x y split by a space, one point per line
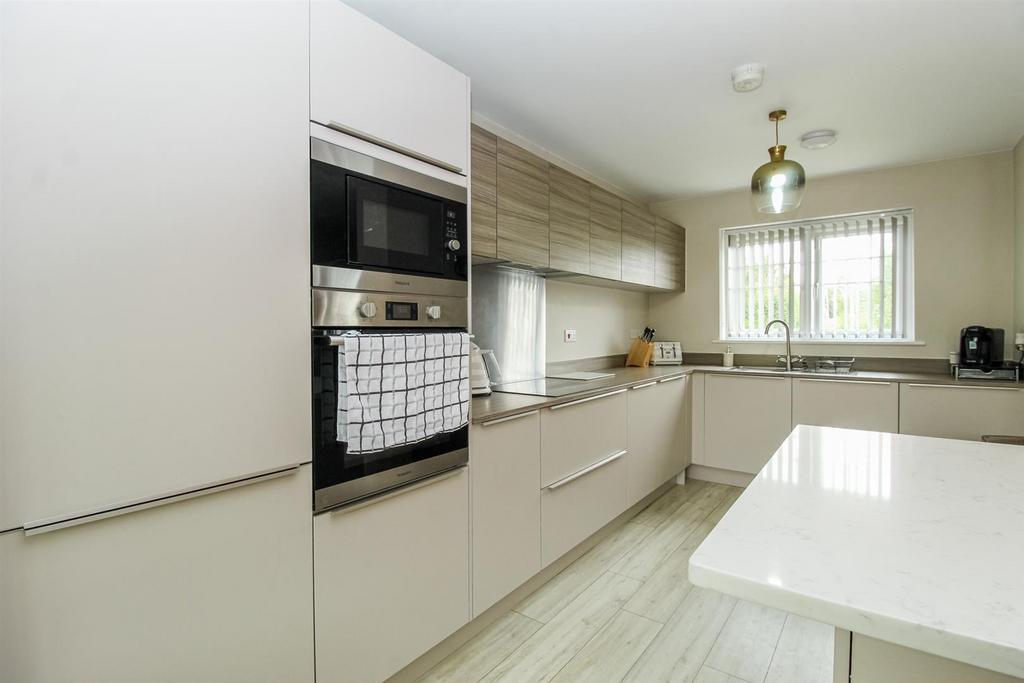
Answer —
498 405
911 540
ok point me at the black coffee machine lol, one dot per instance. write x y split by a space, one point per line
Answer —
981 347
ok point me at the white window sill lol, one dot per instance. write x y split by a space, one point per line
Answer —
824 342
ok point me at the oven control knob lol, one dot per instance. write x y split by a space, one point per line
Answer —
368 309
434 312
454 245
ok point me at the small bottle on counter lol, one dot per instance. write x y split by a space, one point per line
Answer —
727 357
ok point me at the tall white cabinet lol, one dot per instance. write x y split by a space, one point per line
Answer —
155 219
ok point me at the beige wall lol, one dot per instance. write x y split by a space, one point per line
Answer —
602 318
964 253
1018 183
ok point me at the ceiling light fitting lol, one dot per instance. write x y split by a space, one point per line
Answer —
818 139
747 77
778 186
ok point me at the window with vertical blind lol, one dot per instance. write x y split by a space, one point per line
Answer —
838 278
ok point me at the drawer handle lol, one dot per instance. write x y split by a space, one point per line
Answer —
507 418
586 470
670 379
843 381
641 386
394 493
584 400
960 386
43 526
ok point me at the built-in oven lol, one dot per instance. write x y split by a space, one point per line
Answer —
373 215
377 308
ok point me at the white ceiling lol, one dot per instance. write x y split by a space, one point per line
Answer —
639 93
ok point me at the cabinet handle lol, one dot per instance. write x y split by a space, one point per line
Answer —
43 526
586 470
641 386
394 493
961 386
507 418
355 132
843 381
670 379
584 400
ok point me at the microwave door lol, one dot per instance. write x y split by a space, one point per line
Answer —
393 228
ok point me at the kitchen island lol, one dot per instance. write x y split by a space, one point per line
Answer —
912 547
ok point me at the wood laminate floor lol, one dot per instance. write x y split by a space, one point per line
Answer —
625 611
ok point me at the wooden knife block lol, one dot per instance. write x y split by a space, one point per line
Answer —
640 353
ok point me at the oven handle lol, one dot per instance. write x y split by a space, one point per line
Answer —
412 486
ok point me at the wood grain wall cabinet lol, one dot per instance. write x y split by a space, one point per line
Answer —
484 188
153 255
523 200
637 244
391 579
372 83
746 419
669 255
960 412
218 587
570 222
605 234
851 404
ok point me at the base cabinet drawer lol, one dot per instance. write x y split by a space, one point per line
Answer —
960 412
504 474
570 512
214 588
851 404
577 434
391 580
746 419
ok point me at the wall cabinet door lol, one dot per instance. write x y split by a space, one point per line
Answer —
746 419
605 234
960 412
215 588
580 433
637 244
852 404
570 222
505 500
523 198
155 202
669 255
484 183
371 82
658 435
391 578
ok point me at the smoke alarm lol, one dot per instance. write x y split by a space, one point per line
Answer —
747 77
818 139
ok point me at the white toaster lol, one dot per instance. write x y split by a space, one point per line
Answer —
667 353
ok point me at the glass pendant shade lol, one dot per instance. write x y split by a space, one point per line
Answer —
778 186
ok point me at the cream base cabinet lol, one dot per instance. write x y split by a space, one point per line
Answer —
391 579
659 444
746 419
214 588
372 83
960 412
852 404
504 473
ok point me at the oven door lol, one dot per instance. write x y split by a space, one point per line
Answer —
340 477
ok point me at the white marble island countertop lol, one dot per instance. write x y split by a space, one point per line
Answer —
912 540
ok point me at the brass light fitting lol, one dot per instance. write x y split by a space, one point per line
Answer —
778 186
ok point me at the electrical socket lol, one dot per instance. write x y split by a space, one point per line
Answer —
569 337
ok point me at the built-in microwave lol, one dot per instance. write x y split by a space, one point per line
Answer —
369 214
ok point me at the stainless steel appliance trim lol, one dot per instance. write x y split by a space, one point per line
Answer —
751 375
377 281
349 492
670 379
842 381
412 486
508 419
369 137
585 400
641 386
586 470
43 526
957 386
340 308
350 160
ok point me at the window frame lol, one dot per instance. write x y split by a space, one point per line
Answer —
905 293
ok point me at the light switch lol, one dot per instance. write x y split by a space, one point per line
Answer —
570 336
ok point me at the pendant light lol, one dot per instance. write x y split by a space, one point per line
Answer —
778 186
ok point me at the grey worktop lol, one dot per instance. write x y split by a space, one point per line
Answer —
499 405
